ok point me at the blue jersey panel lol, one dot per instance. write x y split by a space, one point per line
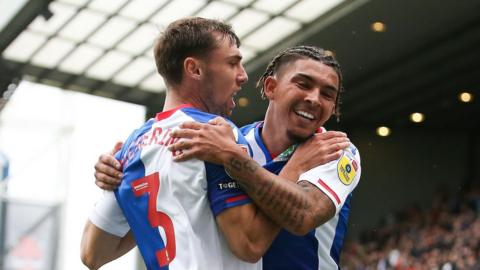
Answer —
340 230
275 166
245 129
257 126
223 191
135 208
289 251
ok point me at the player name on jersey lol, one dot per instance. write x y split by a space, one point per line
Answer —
156 136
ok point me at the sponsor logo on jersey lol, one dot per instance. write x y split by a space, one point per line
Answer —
228 185
346 170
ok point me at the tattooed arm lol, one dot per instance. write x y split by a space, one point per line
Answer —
297 207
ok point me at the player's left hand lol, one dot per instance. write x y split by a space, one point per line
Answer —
318 150
210 142
108 174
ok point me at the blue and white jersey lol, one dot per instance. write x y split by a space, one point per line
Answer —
166 203
320 248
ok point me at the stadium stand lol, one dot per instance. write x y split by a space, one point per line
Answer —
445 237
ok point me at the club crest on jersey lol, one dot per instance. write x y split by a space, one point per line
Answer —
346 170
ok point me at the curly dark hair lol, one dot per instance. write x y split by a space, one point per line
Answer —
187 37
304 52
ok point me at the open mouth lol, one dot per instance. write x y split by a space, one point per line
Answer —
305 115
232 100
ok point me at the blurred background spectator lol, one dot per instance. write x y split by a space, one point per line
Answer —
445 236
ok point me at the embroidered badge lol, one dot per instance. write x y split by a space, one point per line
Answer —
346 171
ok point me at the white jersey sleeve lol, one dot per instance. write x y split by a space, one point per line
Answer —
338 178
108 216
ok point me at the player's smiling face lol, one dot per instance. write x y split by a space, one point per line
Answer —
302 97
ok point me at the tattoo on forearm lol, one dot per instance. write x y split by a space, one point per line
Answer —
263 189
288 205
241 166
235 164
250 165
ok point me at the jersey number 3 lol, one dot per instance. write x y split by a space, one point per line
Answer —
151 184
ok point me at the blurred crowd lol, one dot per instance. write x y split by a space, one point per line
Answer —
445 237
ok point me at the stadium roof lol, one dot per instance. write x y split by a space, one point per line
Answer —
427 53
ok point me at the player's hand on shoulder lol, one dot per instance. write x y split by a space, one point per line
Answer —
320 149
108 174
206 141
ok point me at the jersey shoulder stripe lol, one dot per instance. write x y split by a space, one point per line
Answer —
253 136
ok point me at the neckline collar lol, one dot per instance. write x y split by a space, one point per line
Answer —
166 114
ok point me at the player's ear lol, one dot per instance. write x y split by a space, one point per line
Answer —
269 87
192 67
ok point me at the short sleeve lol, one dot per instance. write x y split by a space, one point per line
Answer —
108 216
338 178
223 191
